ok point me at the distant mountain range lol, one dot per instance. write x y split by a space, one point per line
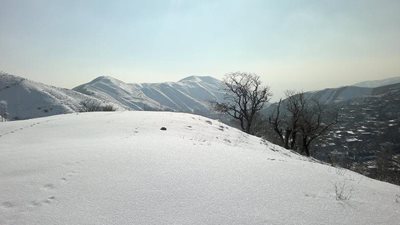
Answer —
359 90
346 93
24 99
191 94
21 98
378 83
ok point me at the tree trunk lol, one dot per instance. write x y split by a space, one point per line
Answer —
293 140
242 124
248 128
287 137
305 147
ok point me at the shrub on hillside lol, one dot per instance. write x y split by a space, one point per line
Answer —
95 106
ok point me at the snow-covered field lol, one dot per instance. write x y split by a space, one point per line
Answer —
120 168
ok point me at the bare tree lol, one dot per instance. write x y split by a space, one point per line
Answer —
245 96
299 121
314 123
286 123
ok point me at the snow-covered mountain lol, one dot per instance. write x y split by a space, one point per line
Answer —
342 94
24 99
329 96
191 94
334 95
378 83
346 93
120 168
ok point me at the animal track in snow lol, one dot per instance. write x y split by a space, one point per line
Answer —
23 128
50 188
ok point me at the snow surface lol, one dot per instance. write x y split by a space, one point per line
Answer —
120 168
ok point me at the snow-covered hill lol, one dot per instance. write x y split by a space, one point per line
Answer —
25 99
191 94
120 168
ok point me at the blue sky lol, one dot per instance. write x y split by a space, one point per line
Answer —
304 44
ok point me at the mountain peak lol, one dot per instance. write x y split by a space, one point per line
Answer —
207 79
106 79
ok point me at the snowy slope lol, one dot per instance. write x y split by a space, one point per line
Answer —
191 94
120 168
378 83
25 99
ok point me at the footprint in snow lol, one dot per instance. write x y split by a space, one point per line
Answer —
227 140
49 199
71 173
310 195
48 186
78 162
35 203
7 205
39 203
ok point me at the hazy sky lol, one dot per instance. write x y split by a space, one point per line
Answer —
308 44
